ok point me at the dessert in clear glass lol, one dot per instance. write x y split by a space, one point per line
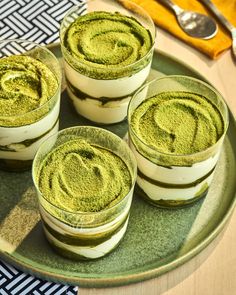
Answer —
108 53
29 101
177 125
85 179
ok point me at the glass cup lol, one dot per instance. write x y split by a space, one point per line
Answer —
77 232
28 113
100 75
172 123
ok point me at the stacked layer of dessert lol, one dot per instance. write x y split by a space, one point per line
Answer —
173 136
29 109
85 193
107 57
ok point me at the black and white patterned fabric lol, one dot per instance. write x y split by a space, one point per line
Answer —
34 20
15 282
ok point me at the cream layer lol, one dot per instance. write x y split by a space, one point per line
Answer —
155 192
112 112
170 178
106 88
96 110
65 229
14 137
174 174
90 252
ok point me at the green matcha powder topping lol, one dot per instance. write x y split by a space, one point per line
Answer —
25 85
178 123
105 40
81 177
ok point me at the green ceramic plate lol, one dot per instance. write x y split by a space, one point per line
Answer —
157 240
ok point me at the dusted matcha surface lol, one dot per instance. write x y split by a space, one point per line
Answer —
178 123
106 40
81 177
25 85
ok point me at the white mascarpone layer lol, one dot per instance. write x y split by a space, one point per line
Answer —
91 252
175 174
86 251
155 192
94 110
107 88
112 112
13 136
65 229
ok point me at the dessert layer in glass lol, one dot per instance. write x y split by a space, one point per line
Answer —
107 56
29 104
85 178
107 100
176 137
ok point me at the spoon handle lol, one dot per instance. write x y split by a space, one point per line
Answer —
172 6
218 14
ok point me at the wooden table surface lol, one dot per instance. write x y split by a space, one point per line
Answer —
213 271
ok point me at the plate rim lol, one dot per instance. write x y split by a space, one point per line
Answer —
130 278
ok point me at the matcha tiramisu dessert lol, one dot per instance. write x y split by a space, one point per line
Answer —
107 57
176 137
29 109
85 191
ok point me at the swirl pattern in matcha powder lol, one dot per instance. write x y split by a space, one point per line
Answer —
80 177
25 85
178 123
105 40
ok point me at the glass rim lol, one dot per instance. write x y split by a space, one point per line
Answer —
209 86
131 155
80 62
58 79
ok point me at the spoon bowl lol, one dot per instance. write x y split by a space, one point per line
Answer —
192 23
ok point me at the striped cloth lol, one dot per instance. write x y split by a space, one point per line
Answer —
15 282
37 21
33 20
